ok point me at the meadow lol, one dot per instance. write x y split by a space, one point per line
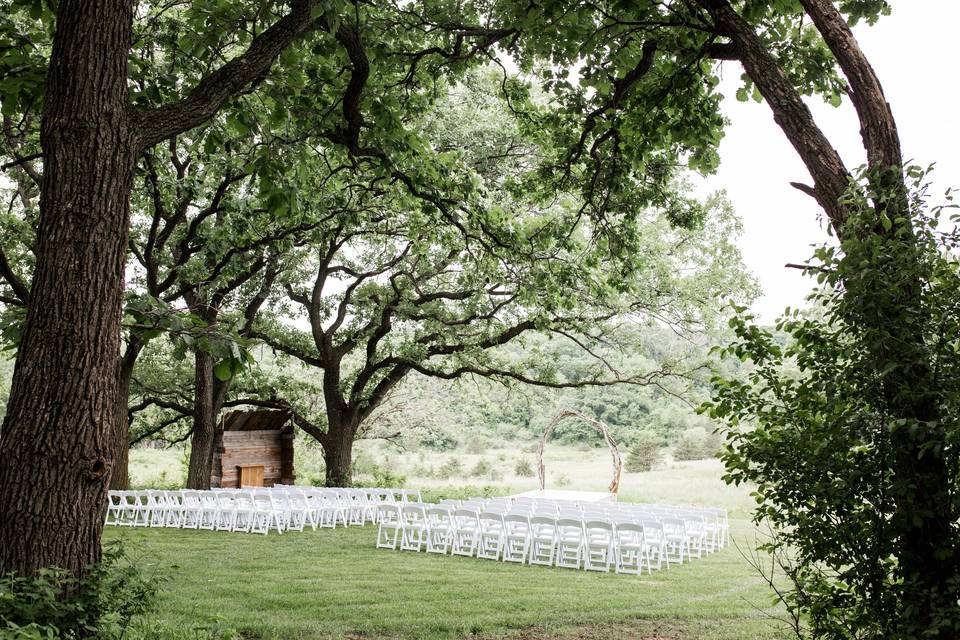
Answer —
335 584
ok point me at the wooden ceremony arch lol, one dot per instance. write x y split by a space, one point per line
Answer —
599 427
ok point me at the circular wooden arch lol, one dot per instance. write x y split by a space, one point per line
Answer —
599 427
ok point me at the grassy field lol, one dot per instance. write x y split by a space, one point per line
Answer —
334 584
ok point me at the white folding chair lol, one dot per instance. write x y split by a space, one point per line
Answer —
390 527
516 537
266 514
490 544
174 509
303 503
570 543
630 549
676 541
543 540
226 511
157 505
416 531
598 545
466 532
440 527
115 508
245 512
294 513
192 509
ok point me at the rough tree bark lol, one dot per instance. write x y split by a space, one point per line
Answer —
338 450
57 438
204 424
120 477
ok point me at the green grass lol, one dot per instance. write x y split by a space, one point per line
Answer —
328 584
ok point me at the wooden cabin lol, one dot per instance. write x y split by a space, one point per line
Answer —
253 449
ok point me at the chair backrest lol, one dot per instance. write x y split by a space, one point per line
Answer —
438 515
673 525
543 525
569 526
516 522
388 513
488 518
629 531
465 517
413 513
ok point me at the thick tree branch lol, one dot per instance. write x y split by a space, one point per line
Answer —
877 126
830 175
214 90
17 285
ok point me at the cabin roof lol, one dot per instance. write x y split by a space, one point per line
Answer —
256 420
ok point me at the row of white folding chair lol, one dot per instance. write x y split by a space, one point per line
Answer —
707 528
707 531
222 511
594 545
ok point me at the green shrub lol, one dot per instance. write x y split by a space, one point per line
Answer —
696 444
55 604
388 479
452 467
562 480
481 468
524 469
422 471
645 452
438 441
462 492
371 473
477 446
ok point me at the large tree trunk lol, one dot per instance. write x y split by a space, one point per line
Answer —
204 424
338 451
120 478
57 444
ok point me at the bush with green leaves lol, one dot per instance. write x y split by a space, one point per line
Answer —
481 469
449 469
850 428
696 444
56 604
524 469
645 452
477 446
462 492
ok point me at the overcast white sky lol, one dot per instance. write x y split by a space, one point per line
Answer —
915 53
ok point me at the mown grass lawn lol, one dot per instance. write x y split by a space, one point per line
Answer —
334 584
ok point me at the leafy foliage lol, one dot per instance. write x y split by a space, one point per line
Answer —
645 452
56 604
821 423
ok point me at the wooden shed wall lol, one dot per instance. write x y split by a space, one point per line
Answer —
272 448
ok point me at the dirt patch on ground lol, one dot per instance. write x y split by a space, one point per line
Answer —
623 631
